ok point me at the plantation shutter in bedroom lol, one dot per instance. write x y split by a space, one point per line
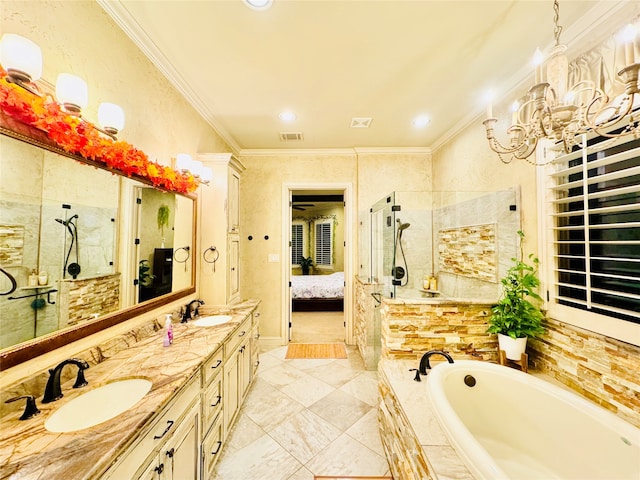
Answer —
296 244
323 243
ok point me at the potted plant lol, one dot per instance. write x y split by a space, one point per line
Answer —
517 315
306 264
163 220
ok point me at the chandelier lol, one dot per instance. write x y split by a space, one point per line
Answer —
554 110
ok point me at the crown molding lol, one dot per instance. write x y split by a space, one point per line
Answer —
121 16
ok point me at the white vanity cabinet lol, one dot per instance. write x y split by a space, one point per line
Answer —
237 371
212 404
169 448
219 276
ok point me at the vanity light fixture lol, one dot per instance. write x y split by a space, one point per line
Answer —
203 175
22 60
110 118
72 93
554 110
258 4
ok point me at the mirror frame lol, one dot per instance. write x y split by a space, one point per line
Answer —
22 352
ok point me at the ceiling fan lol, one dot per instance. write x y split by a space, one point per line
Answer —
301 206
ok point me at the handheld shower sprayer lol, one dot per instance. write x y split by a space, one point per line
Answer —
399 272
72 268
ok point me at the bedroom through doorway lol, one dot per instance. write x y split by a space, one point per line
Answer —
317 258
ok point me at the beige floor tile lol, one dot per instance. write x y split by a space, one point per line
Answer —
364 388
307 390
367 433
346 456
304 435
340 409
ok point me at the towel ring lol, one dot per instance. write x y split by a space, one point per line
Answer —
187 252
215 255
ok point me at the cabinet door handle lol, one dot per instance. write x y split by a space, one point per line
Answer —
257 363
242 349
218 363
215 452
159 469
242 334
166 430
169 453
218 398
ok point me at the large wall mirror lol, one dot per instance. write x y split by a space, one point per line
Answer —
82 248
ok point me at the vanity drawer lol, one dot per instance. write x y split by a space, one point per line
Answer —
212 402
212 367
161 429
211 448
241 334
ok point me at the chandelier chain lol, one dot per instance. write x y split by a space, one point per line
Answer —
556 19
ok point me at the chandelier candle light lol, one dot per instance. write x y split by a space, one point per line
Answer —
553 110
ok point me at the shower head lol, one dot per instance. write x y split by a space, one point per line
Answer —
402 226
66 222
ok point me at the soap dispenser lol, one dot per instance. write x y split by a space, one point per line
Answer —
168 330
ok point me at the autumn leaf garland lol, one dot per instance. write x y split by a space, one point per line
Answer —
75 136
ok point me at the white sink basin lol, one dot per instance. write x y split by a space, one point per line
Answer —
212 320
98 405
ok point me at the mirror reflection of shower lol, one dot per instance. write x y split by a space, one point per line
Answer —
73 268
399 272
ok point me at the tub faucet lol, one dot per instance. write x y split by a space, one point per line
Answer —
424 361
186 315
52 391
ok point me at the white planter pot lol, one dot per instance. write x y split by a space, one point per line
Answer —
513 347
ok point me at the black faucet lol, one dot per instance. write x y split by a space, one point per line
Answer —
52 391
424 361
186 315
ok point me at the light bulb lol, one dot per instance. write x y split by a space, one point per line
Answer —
111 117
183 162
72 92
20 57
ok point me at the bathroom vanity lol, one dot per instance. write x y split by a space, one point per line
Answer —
176 431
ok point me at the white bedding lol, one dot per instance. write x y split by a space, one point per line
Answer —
318 286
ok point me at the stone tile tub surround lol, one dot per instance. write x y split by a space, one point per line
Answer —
412 327
28 450
602 369
414 441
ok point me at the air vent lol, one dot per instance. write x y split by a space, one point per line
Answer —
290 136
361 122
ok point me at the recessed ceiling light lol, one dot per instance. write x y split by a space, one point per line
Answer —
421 121
287 116
258 4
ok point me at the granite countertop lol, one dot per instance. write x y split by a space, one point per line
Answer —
28 450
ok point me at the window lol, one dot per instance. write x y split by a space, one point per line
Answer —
324 240
594 224
297 243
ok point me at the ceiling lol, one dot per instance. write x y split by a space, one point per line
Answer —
330 61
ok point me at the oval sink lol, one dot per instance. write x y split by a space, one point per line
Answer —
98 405
212 320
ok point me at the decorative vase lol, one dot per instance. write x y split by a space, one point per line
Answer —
513 347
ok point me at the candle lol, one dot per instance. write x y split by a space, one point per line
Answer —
538 59
628 36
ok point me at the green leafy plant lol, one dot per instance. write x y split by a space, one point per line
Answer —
163 217
306 264
144 277
517 313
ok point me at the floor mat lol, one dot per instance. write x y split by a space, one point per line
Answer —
316 350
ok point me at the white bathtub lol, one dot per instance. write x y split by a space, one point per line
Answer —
512 425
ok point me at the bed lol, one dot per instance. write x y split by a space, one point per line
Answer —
311 293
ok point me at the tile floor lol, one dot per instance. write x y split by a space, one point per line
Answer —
303 418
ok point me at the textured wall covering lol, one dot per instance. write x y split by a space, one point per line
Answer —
602 369
413 327
469 251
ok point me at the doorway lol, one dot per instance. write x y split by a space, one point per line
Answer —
318 235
